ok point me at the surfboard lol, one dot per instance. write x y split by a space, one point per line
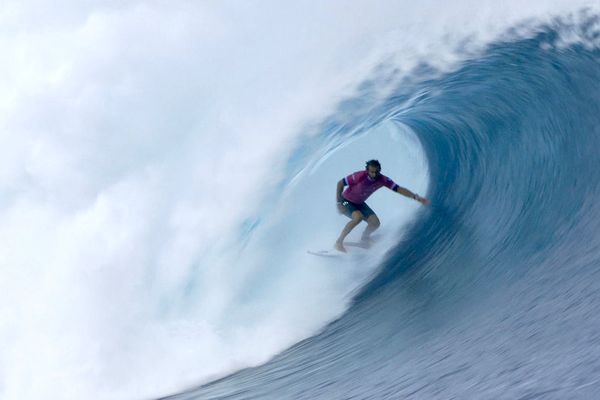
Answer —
356 248
362 245
327 253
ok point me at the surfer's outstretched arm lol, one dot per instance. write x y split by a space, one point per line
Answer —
405 192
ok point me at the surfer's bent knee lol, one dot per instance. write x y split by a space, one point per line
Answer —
357 216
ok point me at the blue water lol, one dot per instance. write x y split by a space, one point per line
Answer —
493 293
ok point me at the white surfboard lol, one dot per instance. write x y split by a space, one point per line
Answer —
327 253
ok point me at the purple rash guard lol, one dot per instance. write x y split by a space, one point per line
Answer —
361 186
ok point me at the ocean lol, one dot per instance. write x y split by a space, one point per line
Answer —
166 167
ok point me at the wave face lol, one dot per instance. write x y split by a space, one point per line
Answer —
493 292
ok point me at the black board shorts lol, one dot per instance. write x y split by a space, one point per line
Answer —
350 207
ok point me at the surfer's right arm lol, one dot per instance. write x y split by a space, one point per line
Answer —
339 198
340 189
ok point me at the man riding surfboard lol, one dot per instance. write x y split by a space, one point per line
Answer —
351 202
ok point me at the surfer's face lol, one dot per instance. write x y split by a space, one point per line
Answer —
373 172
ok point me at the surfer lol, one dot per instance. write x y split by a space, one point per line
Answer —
351 202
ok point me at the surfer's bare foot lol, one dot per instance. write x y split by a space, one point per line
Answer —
339 246
367 241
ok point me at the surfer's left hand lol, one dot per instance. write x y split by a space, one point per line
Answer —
422 200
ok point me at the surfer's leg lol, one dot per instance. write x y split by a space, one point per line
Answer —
356 217
373 223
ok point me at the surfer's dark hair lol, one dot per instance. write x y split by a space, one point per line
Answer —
373 163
